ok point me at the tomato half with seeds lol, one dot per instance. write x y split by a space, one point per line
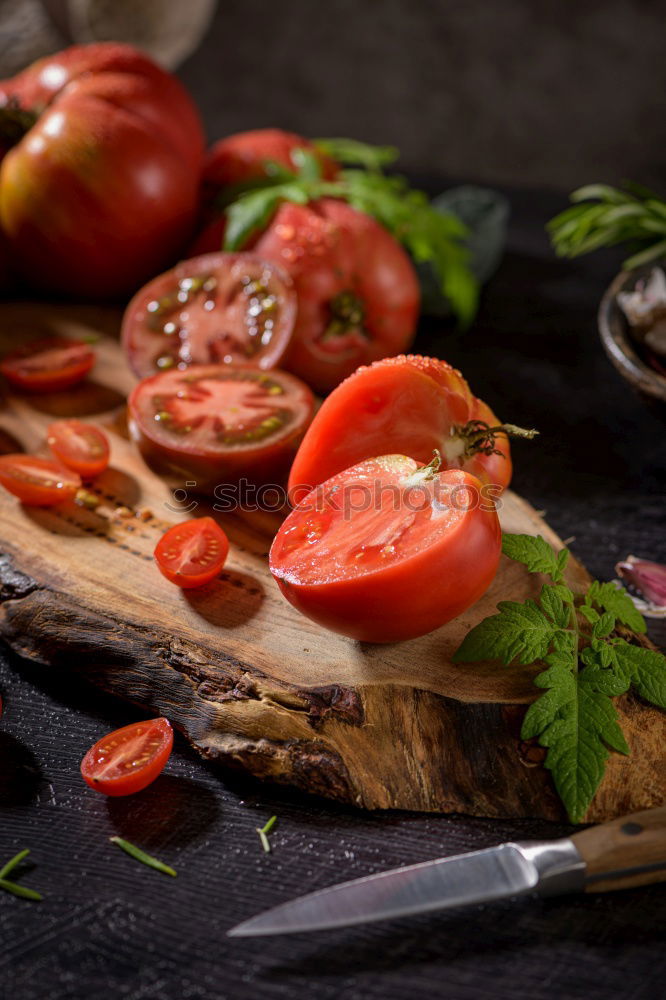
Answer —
216 308
215 424
81 447
410 405
128 759
388 550
38 482
48 365
193 553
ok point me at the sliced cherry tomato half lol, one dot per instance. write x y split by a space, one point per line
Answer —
193 553
48 365
81 447
408 405
216 308
128 759
38 482
388 549
215 424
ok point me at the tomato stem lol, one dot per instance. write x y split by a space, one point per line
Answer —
14 123
347 313
478 437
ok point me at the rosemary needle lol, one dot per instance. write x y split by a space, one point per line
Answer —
145 859
264 831
19 890
13 862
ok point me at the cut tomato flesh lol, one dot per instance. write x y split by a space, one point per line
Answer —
221 422
128 759
193 553
217 308
379 515
48 365
81 447
388 550
38 482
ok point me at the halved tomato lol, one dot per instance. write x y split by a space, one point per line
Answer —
128 759
216 308
193 553
48 365
408 405
81 447
388 549
38 482
214 424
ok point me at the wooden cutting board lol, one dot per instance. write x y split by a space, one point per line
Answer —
249 681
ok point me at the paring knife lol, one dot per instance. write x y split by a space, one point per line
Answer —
617 855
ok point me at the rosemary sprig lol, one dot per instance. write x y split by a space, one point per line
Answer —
145 859
264 831
603 216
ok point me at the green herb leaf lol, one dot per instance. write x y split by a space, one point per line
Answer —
646 668
535 553
520 633
603 216
354 153
145 859
427 233
587 665
20 890
618 603
251 213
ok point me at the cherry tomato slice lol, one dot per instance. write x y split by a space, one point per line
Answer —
215 424
38 482
216 308
388 550
81 447
48 365
193 553
408 405
128 759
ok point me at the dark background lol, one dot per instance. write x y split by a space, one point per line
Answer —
533 96
550 94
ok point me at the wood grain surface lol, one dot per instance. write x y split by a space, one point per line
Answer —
251 682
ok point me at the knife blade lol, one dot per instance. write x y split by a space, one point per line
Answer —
625 852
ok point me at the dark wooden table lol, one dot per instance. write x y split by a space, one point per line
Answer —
110 928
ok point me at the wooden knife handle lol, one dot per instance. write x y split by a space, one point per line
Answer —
625 852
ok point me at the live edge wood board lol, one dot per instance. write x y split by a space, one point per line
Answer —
250 682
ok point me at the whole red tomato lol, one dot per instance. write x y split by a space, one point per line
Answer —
358 295
100 192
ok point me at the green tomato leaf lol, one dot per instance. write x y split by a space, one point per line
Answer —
354 153
616 601
646 668
535 553
520 633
